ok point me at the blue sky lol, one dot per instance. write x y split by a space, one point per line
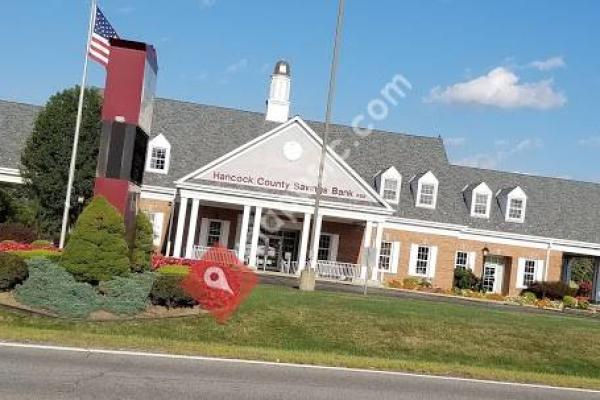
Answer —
511 85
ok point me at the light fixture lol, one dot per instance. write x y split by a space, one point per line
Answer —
485 251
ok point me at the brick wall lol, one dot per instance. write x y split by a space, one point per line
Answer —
350 242
149 205
448 246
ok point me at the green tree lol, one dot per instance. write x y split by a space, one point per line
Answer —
97 250
582 269
47 154
143 246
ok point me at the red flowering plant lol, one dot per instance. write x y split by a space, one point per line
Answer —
14 246
159 261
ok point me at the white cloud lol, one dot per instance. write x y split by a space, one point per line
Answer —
237 66
592 141
503 151
455 141
207 3
500 88
548 64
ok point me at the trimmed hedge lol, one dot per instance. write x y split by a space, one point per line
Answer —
51 255
143 247
167 290
97 250
17 232
552 290
51 288
13 270
464 278
127 296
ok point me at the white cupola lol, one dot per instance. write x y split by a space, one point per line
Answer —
278 103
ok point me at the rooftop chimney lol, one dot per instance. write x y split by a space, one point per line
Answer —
278 104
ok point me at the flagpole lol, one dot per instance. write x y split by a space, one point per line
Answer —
65 219
330 96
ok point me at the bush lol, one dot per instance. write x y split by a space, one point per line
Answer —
585 289
570 302
494 296
97 250
529 298
411 283
51 288
143 247
583 303
167 290
17 232
464 278
51 255
42 244
126 296
13 270
551 290
394 283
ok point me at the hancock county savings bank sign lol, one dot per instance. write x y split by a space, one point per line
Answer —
285 185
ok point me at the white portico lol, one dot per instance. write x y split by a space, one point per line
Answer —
258 201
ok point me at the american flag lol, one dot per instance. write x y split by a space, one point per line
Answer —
99 44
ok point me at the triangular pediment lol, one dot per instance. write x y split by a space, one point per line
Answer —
286 161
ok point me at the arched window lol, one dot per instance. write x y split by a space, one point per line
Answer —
159 155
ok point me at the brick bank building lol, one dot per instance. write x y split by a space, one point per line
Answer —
247 180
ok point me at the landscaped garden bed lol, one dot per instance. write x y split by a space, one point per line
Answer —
97 276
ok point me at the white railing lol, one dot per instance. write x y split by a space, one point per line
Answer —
218 254
333 270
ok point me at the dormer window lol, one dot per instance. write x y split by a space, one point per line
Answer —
426 190
481 201
158 157
514 202
390 189
388 184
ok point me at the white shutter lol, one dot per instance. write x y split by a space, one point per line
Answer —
334 244
412 263
157 227
520 272
471 260
539 270
395 257
433 251
224 239
204 222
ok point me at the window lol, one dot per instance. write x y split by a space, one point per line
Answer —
480 206
390 189
516 209
158 155
156 219
529 272
427 194
462 259
214 233
324 246
422 267
385 256
426 190
158 158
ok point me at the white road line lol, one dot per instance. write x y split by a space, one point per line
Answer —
290 365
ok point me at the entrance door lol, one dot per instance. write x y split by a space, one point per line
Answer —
493 271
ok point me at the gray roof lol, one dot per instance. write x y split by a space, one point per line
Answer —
199 134
16 124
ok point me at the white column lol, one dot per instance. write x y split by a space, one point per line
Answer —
304 242
377 244
314 248
244 233
255 234
180 226
368 234
189 248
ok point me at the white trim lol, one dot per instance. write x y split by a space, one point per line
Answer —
481 189
395 257
160 142
242 228
538 274
334 245
393 174
516 194
240 151
427 179
255 234
180 226
10 175
189 247
158 193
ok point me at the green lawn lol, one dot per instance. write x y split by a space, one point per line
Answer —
351 330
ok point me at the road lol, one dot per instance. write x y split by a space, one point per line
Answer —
58 373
